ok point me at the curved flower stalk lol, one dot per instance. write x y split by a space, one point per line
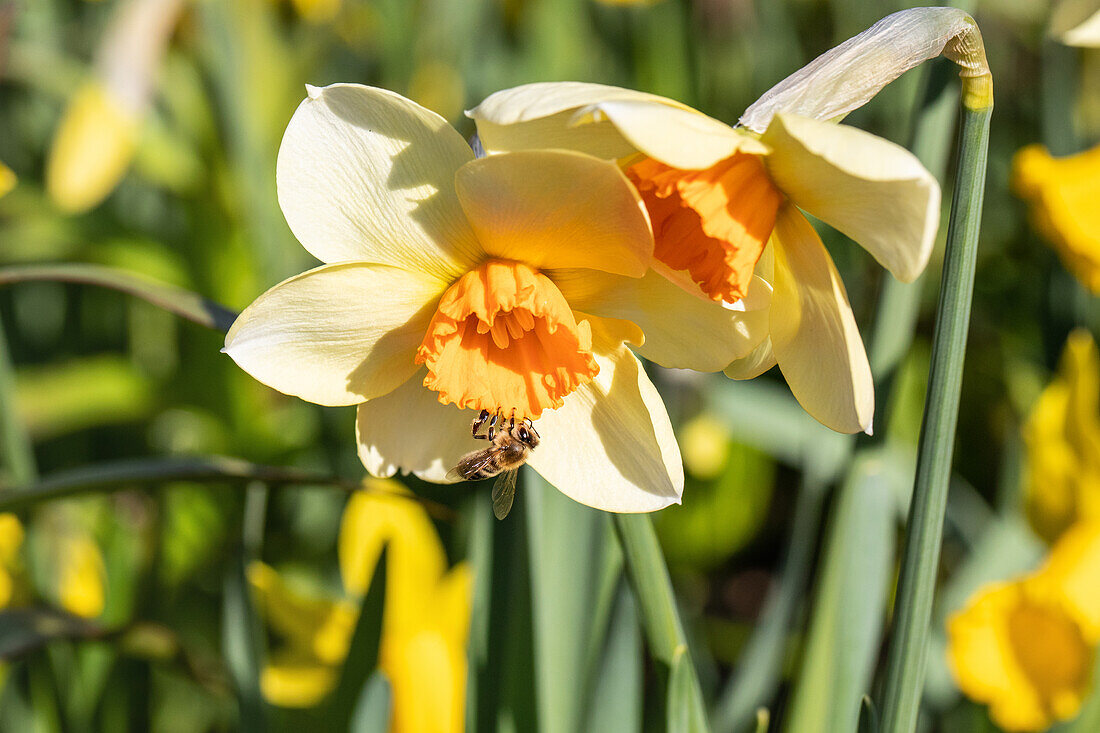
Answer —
425 621
1062 435
725 202
1026 647
1062 193
455 285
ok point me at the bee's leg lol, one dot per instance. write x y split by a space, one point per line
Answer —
478 422
492 426
531 425
512 421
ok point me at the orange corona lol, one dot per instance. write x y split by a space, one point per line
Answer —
503 338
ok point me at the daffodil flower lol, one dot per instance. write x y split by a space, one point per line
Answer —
1062 193
1076 23
425 620
1026 647
455 285
726 201
718 195
1062 437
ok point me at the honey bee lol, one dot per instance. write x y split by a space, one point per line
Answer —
508 450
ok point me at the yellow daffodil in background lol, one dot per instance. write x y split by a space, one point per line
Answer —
1026 647
1062 435
455 285
726 204
425 621
1062 193
97 135
81 576
11 539
7 179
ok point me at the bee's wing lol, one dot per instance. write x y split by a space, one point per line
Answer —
471 463
504 492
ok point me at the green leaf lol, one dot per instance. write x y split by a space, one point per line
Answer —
185 304
243 647
665 636
571 550
55 399
868 716
615 686
850 600
362 659
373 706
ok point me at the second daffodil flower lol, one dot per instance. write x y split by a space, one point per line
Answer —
454 285
725 204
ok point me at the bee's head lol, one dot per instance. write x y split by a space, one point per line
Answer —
525 433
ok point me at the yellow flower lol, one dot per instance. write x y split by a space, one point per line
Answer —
1062 436
1026 647
425 622
82 577
1020 653
1063 193
725 202
455 285
97 135
7 179
11 539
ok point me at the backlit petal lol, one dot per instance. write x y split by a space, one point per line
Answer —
677 136
441 437
611 444
338 334
542 116
681 330
814 333
756 363
1087 34
367 175
874 191
556 209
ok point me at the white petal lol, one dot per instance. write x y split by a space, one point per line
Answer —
367 175
759 361
338 334
874 191
556 208
611 444
1086 35
845 77
814 333
409 430
677 136
681 330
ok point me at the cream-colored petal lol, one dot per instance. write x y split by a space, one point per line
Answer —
677 136
541 115
874 191
367 175
555 208
410 431
845 77
813 331
611 444
681 330
338 334
1084 32
759 361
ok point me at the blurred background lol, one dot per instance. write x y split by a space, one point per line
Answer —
157 586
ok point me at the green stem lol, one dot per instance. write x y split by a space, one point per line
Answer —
906 655
16 452
649 578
